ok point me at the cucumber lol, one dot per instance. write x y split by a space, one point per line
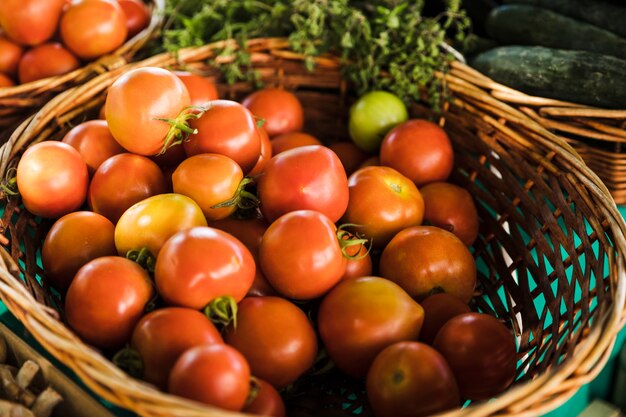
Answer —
577 76
519 24
606 15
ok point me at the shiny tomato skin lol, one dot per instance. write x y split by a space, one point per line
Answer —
438 310
106 299
265 156
5 81
300 255
215 374
136 100
481 353
92 28
162 216
198 265
267 401
10 56
291 140
209 179
281 110
229 129
305 178
94 142
362 316
382 202
419 150
350 155
411 379
201 89
276 338
163 335
121 181
427 259
52 179
30 22
46 60
137 16
360 266
68 247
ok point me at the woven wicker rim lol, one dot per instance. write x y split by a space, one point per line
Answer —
537 396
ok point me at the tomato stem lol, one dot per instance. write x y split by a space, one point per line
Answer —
243 199
129 360
9 185
348 240
222 310
143 257
255 387
179 126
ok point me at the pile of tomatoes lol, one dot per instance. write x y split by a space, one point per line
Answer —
223 249
44 38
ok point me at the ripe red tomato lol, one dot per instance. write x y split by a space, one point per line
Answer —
135 103
266 401
411 379
362 316
52 179
151 222
300 255
216 374
291 140
361 263
10 55
209 179
226 128
92 28
93 140
30 22
276 338
137 16
122 181
266 154
481 353
186 276
5 81
281 110
350 155
452 208
106 299
68 247
419 150
46 60
438 310
305 178
162 336
382 202
201 89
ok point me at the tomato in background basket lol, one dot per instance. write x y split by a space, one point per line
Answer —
350 155
137 16
291 140
280 110
264 400
201 89
10 56
46 60
30 22
93 140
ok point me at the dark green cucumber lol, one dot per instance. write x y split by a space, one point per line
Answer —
577 76
520 24
609 16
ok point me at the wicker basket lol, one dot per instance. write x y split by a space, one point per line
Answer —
16 103
544 217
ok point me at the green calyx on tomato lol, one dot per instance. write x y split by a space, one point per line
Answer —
9 185
144 258
179 127
129 360
244 200
222 310
348 240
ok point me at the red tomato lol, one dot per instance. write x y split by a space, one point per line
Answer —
374 161
10 56
266 154
151 222
350 155
5 81
106 299
135 103
297 267
94 142
426 259
209 179
481 353
186 276
201 89
102 113
411 379
291 140
281 110
216 374
419 150
452 208
162 336
30 22
438 310
67 247
276 338
92 28
382 202
172 157
306 178
122 181
52 179
229 129
361 263
46 60
137 16
360 317
266 401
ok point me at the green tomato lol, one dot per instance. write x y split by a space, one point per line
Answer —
372 116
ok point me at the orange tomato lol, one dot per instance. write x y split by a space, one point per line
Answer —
10 56
45 61
292 140
137 16
201 89
93 140
30 22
